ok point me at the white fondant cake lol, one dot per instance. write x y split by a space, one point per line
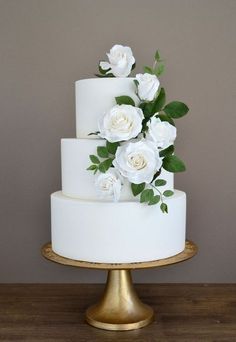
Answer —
87 228
117 232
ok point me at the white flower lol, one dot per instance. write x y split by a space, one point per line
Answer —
161 132
138 161
108 185
121 61
121 122
148 86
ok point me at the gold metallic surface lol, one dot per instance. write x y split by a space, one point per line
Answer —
189 251
120 308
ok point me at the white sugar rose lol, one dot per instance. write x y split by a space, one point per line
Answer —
148 86
161 132
138 161
108 185
121 122
121 60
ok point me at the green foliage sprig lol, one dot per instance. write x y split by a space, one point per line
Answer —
149 195
104 73
166 112
157 68
107 154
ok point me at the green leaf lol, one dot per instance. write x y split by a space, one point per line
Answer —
173 164
168 193
176 109
136 82
94 159
106 75
157 56
147 108
110 75
102 71
94 133
154 200
160 101
105 165
146 195
142 106
147 70
102 151
112 147
137 188
125 100
164 117
164 207
167 151
92 167
160 182
159 70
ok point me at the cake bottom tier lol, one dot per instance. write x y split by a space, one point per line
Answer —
122 232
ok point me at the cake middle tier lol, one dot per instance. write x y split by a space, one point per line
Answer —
78 182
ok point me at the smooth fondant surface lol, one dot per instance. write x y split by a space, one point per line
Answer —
117 232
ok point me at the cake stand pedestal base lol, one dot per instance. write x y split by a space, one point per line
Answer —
120 308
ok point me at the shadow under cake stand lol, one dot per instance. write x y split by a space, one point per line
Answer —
120 307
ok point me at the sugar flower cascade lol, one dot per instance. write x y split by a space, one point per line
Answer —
139 134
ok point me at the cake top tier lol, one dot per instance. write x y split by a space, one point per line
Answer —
95 96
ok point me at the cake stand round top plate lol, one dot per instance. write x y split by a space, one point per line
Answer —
189 251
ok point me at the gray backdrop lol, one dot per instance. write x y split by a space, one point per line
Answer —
45 46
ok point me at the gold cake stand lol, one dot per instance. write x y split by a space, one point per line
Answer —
120 308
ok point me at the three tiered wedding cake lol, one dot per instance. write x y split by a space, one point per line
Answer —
114 216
